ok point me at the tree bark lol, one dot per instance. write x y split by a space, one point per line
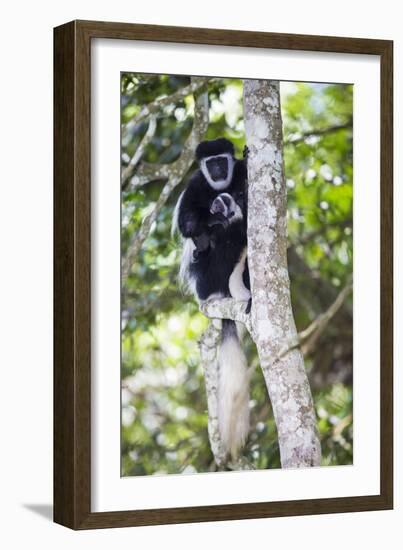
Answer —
272 319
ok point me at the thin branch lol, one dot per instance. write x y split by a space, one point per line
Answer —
319 291
307 338
311 334
318 132
309 237
142 233
195 85
144 79
138 81
148 136
146 172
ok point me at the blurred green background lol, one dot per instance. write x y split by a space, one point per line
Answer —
164 410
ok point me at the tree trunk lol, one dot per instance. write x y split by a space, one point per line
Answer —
273 326
209 343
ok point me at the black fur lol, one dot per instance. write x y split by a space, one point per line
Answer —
213 268
214 147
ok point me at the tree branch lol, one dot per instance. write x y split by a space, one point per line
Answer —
208 344
148 136
318 132
146 172
309 237
141 235
227 308
311 334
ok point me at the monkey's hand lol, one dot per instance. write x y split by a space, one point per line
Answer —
202 243
248 306
246 152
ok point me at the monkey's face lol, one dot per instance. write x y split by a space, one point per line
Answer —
218 170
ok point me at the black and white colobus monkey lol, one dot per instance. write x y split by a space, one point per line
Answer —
211 215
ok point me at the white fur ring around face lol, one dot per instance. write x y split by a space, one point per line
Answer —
219 184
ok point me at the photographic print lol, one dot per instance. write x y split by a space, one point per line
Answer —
216 192
237 260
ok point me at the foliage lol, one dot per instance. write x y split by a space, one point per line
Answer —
164 418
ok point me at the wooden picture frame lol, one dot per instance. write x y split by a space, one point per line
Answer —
72 271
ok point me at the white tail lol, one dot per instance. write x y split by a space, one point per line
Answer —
233 392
